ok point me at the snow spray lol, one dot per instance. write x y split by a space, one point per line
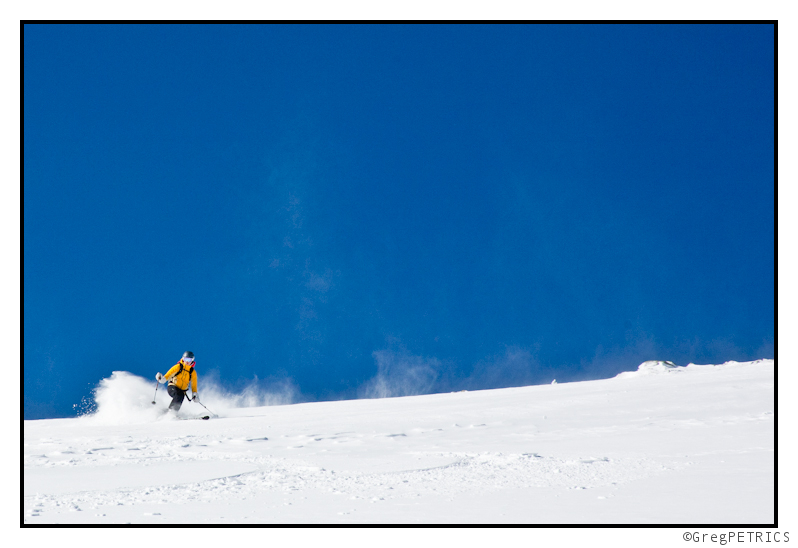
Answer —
123 398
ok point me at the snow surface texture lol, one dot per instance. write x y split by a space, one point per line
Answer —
664 444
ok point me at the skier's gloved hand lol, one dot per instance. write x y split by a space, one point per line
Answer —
159 378
195 398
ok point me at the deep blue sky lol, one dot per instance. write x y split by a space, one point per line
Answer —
446 206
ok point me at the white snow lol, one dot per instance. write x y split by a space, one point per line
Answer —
664 444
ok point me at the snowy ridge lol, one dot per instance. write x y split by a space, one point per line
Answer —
610 451
658 367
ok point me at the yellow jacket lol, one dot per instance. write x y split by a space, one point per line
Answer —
180 378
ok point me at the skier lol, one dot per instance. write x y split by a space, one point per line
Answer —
179 377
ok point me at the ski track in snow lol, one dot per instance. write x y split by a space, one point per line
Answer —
101 467
464 472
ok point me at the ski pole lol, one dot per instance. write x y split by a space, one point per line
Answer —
156 392
208 410
185 395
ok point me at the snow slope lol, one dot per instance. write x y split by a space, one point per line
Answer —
664 444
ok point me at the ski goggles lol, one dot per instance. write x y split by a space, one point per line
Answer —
188 361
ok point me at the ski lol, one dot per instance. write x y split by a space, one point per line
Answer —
201 417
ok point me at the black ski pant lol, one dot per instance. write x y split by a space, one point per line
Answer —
177 396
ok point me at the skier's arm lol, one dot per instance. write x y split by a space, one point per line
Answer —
172 372
194 382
